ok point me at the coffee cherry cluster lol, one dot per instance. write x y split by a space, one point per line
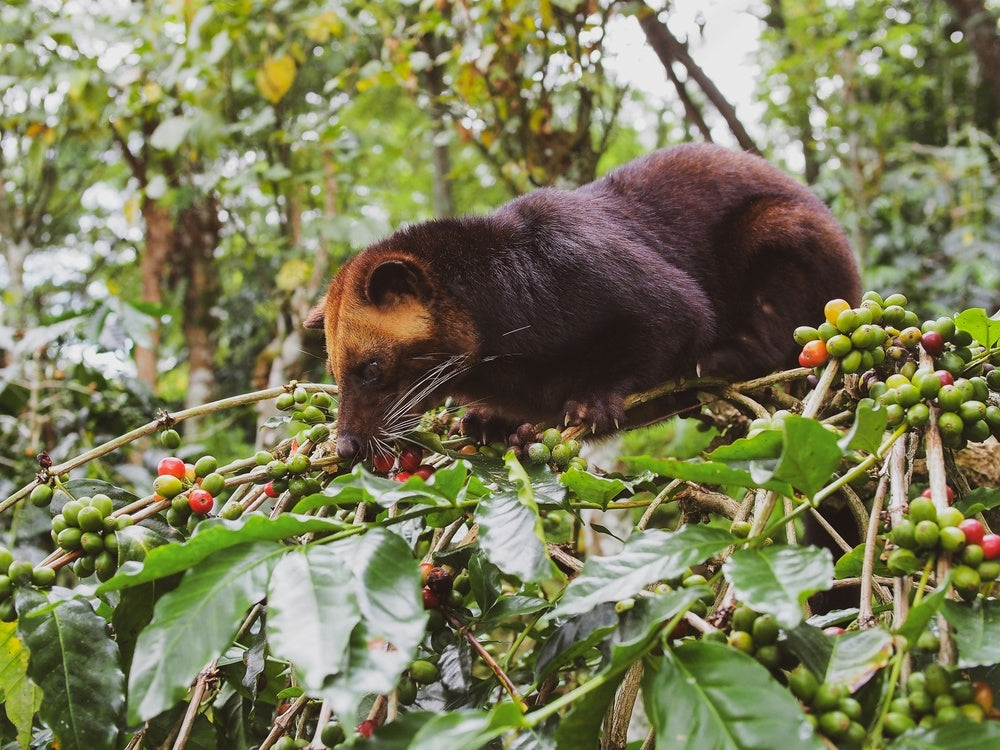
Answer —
190 488
19 573
756 635
438 585
408 462
547 447
938 695
286 475
832 709
883 340
332 734
305 407
964 411
853 335
420 672
927 532
85 525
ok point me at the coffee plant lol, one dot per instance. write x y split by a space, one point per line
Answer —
439 595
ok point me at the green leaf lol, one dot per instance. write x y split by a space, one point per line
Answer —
866 432
979 500
984 329
213 535
505 609
812 646
639 629
574 639
21 698
75 663
361 486
136 542
311 611
592 489
194 623
581 726
802 455
706 695
387 589
810 454
510 530
135 611
920 615
707 473
851 564
647 556
484 579
428 730
857 656
955 735
779 579
977 630
452 481
764 446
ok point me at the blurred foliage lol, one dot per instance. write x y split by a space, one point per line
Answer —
894 123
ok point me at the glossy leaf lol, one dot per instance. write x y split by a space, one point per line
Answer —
510 530
647 556
920 615
428 730
212 536
867 431
311 611
709 695
984 329
956 735
977 630
575 638
810 454
708 473
979 500
194 623
75 663
581 726
361 486
779 579
591 488
386 586
21 698
857 656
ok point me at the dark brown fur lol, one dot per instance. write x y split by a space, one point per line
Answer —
561 303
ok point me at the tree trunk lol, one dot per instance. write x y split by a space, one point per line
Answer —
287 350
152 268
433 78
980 28
194 266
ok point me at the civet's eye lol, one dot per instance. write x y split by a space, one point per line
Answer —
371 372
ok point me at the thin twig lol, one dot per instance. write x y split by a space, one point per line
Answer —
866 617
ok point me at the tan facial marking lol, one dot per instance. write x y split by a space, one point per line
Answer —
364 328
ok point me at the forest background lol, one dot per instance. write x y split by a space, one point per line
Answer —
179 180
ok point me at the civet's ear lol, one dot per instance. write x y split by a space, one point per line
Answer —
393 281
317 316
